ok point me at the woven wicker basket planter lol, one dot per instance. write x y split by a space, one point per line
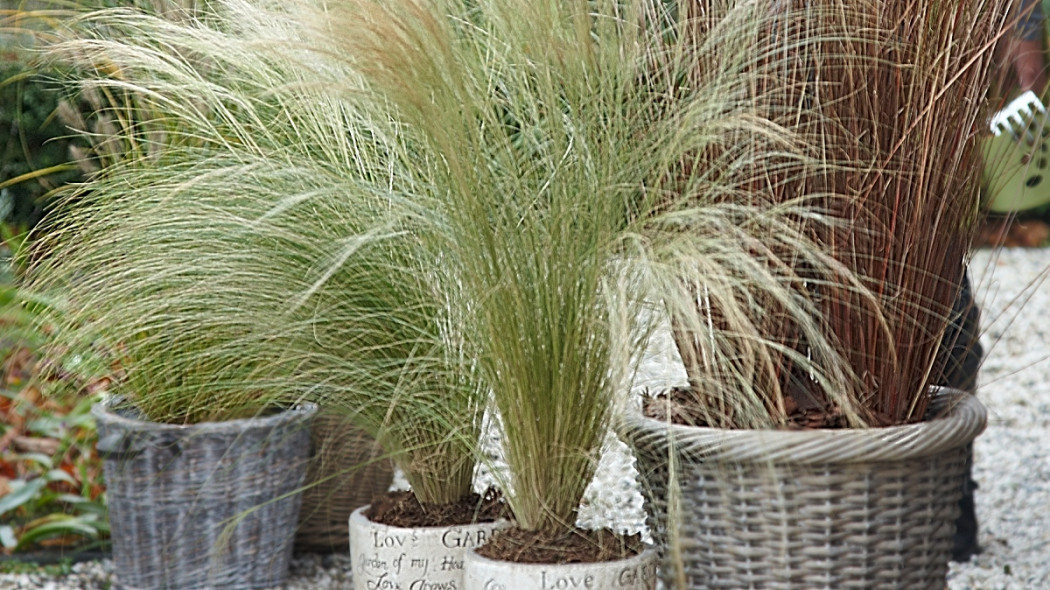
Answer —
209 505
345 472
831 509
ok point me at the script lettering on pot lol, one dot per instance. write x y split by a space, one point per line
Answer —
372 563
383 583
636 574
425 585
566 582
450 563
420 564
463 539
379 541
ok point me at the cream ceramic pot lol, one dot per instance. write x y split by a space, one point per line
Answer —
423 558
634 573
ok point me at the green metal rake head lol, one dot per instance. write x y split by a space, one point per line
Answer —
1017 157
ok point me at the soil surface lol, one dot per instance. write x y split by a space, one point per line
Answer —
575 546
679 406
402 509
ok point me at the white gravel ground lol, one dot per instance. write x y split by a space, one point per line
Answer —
1012 467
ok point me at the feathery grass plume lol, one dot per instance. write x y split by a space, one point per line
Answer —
895 94
260 251
404 204
754 379
589 161
96 116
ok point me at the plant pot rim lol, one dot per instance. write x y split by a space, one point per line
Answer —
106 410
358 515
647 553
965 418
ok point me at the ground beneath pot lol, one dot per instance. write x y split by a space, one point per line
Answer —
1011 468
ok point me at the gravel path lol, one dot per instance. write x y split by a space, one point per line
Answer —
1012 467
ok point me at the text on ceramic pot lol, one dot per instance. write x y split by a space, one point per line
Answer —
457 539
383 583
381 541
566 582
630 576
385 572
425 585
375 563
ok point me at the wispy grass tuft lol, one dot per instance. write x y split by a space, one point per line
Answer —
401 208
894 93
592 164
259 252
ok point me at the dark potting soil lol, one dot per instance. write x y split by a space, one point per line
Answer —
575 546
681 406
402 509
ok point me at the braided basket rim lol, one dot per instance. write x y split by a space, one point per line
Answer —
110 411
961 417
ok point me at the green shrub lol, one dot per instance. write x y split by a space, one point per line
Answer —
32 138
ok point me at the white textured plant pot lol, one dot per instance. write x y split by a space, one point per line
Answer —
423 558
634 573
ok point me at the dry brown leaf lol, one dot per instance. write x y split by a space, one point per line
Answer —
31 444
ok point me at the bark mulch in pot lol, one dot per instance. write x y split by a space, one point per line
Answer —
575 546
402 509
680 406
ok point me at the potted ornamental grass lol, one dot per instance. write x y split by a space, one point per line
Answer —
587 172
264 224
205 448
405 209
204 455
814 480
